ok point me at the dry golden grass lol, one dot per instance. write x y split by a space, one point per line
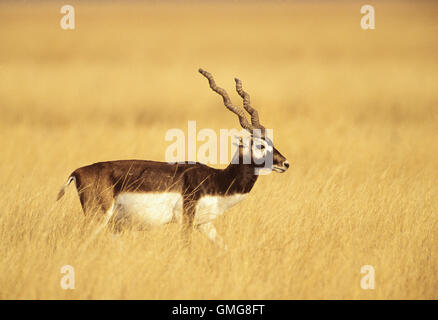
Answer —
354 111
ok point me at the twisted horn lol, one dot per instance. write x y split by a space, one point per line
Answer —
246 104
227 102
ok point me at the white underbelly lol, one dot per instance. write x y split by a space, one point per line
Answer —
148 209
209 208
154 209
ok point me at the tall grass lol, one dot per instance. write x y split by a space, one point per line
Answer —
354 111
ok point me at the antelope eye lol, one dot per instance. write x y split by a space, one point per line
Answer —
260 146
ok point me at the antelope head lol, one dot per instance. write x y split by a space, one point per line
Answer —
257 148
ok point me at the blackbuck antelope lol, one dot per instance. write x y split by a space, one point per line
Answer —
154 193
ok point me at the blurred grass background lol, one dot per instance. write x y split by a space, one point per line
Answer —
354 111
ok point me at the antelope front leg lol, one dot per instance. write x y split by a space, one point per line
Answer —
209 230
187 220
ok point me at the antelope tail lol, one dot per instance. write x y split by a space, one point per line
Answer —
62 190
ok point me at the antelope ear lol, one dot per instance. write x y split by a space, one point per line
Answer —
237 140
238 144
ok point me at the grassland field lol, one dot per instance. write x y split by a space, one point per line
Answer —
354 111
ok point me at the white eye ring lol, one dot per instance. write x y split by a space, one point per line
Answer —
260 147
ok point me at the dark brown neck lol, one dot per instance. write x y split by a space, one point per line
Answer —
239 177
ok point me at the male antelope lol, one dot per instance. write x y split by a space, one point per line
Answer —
192 194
